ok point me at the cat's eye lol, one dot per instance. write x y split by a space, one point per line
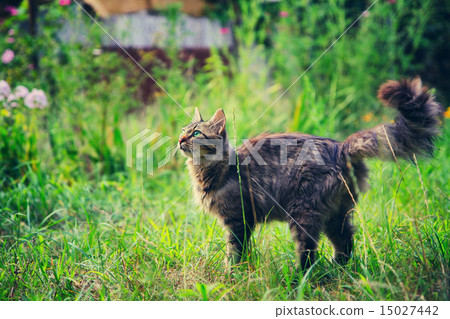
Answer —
196 133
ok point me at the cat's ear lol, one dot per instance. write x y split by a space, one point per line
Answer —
218 121
197 116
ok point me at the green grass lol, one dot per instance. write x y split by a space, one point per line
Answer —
132 239
78 225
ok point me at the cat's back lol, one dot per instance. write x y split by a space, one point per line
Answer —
290 166
273 147
301 137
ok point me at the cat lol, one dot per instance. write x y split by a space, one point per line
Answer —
308 181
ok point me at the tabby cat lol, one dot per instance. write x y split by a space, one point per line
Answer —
308 181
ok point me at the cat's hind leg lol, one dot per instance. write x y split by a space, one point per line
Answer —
305 228
340 232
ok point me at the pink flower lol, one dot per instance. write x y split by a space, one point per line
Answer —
36 99
391 1
31 66
7 56
21 91
366 14
11 32
64 2
284 14
10 40
5 89
12 100
224 30
12 10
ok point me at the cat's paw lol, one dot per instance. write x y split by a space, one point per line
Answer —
341 258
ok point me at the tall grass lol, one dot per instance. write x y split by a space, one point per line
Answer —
78 225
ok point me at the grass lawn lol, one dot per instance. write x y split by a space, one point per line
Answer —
77 224
142 238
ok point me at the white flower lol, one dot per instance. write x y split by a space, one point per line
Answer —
11 101
36 99
11 98
97 52
21 91
5 90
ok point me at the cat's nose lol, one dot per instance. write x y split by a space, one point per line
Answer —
182 139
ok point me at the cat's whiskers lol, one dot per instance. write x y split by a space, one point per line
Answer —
171 151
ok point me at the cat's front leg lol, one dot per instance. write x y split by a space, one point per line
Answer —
239 233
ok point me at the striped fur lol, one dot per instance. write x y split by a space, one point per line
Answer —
311 196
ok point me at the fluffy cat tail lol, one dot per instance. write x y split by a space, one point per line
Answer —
414 130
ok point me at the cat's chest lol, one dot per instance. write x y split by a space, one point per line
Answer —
211 201
210 188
